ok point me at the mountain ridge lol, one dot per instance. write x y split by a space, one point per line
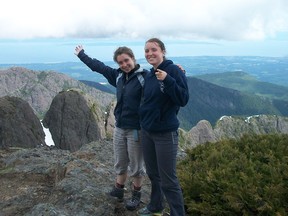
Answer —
242 81
266 69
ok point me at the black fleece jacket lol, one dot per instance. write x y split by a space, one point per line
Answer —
128 90
163 99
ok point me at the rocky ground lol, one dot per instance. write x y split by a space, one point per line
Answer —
49 181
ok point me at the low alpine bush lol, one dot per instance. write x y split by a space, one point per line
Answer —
248 176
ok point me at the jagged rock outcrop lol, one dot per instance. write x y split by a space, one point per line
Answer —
201 133
235 127
39 88
19 126
74 119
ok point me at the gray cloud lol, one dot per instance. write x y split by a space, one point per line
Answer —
183 19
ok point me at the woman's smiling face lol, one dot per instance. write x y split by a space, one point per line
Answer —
153 54
125 62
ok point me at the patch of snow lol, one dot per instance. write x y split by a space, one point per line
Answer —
222 117
48 137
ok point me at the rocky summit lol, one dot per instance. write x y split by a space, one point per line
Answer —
50 181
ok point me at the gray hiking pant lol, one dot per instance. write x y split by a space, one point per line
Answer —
128 153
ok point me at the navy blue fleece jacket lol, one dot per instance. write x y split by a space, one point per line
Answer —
128 90
163 99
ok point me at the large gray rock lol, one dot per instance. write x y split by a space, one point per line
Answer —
201 133
75 119
19 126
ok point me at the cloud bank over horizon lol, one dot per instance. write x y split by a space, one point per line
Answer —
174 19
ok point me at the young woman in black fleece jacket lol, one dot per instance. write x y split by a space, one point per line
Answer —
165 91
128 80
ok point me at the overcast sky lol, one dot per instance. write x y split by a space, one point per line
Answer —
188 19
212 21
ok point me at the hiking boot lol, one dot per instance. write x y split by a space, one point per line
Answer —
117 193
145 212
135 200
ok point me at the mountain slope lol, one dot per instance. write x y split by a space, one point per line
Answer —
38 88
209 101
247 83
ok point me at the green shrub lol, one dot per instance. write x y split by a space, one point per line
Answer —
237 177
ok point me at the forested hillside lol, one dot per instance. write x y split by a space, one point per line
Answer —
245 82
209 101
